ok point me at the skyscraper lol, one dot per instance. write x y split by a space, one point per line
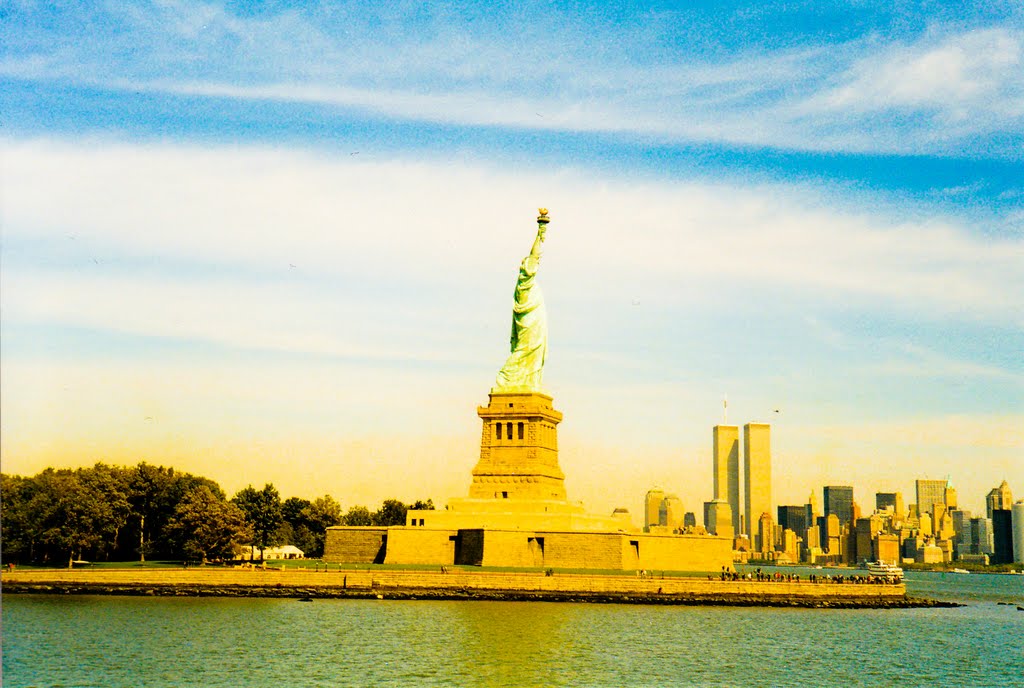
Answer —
981 535
838 500
829 533
794 518
757 475
999 498
1002 536
652 508
929 493
812 511
962 527
672 507
950 496
1017 519
894 500
727 468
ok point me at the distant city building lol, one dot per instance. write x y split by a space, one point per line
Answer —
726 468
867 530
950 496
838 501
718 518
757 474
962 528
794 518
893 500
789 547
829 532
652 508
981 535
813 538
998 498
813 510
672 508
925 525
1002 536
929 493
766 533
887 549
689 520
1017 518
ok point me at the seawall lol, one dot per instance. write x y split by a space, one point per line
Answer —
458 584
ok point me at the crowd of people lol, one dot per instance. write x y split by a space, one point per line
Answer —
761 576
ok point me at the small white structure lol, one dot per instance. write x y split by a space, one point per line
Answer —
250 553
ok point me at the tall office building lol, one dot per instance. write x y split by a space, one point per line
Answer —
1002 536
838 500
718 518
757 476
981 535
652 508
894 500
766 533
829 534
962 528
929 493
999 498
794 518
950 496
1017 519
813 510
727 468
671 512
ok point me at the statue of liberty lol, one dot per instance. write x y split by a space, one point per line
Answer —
524 368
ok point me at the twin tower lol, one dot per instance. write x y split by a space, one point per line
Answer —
722 515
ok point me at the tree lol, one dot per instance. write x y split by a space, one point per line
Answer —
297 527
358 516
324 512
295 510
391 513
110 484
207 527
262 509
17 522
72 517
149 496
420 505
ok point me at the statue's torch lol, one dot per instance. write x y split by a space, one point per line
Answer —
542 222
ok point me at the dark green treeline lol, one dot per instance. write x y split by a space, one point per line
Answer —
120 513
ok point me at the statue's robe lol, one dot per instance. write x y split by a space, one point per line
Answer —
529 342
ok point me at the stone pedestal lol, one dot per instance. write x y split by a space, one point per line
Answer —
518 449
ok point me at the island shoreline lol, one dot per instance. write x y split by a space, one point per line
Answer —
466 585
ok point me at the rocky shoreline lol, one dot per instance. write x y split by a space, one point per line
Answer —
309 593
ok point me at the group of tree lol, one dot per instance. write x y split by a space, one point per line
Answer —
115 513
391 513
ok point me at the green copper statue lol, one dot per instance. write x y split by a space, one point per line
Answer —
524 368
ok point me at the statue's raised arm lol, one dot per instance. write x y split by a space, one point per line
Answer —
524 368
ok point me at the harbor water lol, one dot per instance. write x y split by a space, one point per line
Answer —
51 640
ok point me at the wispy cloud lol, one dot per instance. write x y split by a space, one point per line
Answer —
961 74
340 220
904 95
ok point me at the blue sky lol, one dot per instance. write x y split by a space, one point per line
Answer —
267 241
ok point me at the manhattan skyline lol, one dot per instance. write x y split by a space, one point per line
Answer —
276 244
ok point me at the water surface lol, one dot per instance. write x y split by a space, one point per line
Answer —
159 641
